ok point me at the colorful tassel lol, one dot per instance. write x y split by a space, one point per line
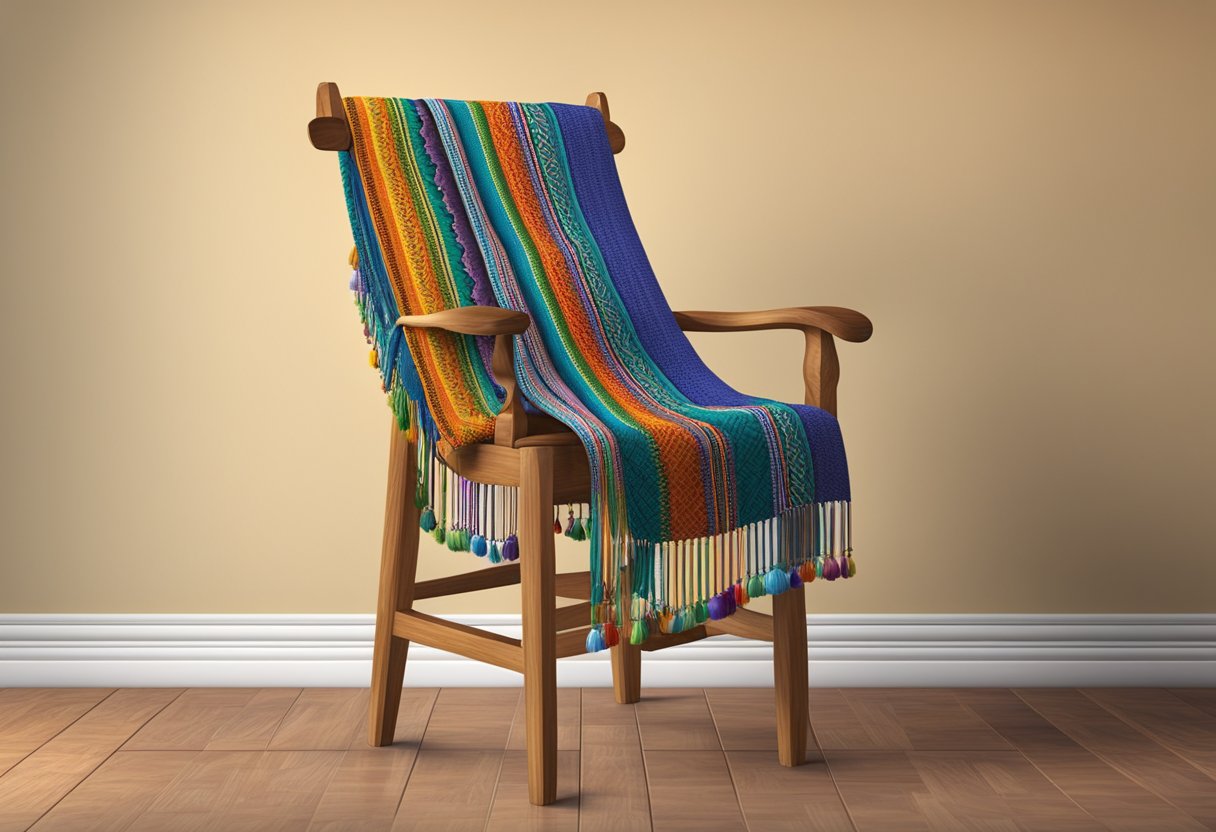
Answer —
495 554
717 608
741 597
776 581
795 580
612 636
852 565
755 586
510 549
595 640
439 534
831 569
478 546
640 632
818 567
427 521
807 571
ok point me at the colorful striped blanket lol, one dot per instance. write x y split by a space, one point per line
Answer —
702 497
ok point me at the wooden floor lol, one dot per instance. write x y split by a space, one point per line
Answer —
286 759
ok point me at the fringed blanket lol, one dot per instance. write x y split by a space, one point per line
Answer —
702 497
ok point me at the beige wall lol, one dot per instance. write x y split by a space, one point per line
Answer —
1022 195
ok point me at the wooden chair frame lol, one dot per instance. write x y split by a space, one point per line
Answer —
548 464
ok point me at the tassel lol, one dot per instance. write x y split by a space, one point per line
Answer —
755 586
510 549
741 597
495 555
666 620
831 569
852 566
427 521
702 612
570 525
453 540
478 546
595 640
640 632
807 571
373 359
795 580
612 636
843 566
717 607
776 581
818 567
557 526
439 534
419 499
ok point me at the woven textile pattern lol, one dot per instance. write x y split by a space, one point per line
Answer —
702 497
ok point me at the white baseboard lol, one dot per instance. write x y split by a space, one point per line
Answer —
845 651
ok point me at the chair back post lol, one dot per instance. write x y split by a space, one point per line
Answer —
616 136
329 130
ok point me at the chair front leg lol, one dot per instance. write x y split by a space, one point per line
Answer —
398 567
790 676
539 600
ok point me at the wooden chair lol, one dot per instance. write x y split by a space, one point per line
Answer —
548 465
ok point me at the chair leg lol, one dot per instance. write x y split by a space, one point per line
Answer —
398 562
538 592
627 673
790 676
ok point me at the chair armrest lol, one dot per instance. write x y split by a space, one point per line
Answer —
845 324
820 366
471 320
512 421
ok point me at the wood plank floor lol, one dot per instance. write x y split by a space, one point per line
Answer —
159 760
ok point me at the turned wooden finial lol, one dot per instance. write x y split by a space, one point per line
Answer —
616 136
329 130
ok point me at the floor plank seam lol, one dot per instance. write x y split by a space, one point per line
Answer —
730 770
414 762
1147 733
1129 774
279 723
107 758
835 785
831 774
1033 764
645 766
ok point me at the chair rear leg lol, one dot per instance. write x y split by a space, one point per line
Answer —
398 564
627 672
790 676
539 597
